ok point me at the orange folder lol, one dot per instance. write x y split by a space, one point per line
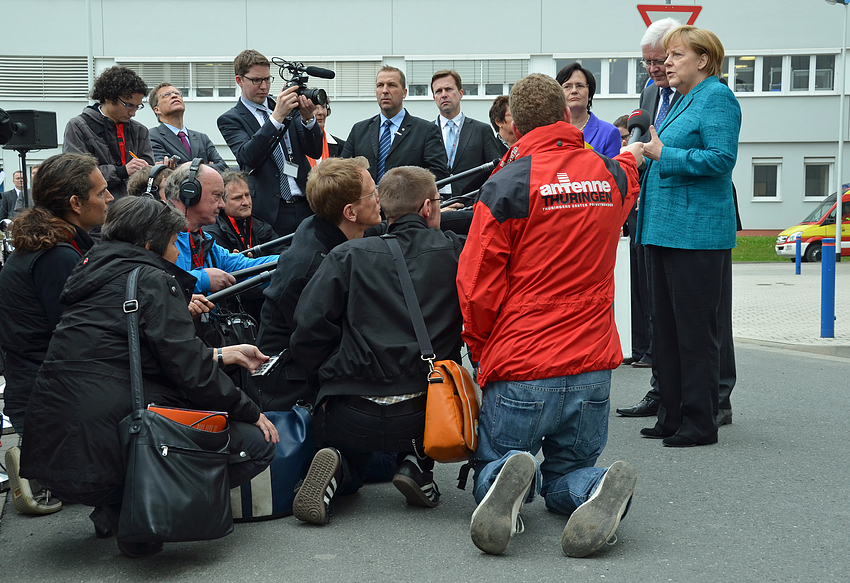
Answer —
212 421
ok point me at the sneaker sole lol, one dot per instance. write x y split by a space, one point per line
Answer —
309 503
493 521
596 521
414 495
22 498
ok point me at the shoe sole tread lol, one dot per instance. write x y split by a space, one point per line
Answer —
493 519
595 521
413 492
309 503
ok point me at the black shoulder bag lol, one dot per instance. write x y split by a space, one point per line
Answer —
176 487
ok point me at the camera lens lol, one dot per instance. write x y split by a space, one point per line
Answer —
317 96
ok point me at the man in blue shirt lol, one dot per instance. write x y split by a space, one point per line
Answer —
210 263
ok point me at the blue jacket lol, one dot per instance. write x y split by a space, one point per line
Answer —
217 256
686 199
603 136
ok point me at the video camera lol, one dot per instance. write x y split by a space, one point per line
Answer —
298 75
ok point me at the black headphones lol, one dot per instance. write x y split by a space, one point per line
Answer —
151 190
190 189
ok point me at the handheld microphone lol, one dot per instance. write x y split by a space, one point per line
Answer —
320 72
638 125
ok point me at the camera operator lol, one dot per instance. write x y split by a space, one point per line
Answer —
271 139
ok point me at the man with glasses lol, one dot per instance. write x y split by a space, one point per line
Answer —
107 131
271 139
171 139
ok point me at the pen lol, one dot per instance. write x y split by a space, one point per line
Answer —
133 155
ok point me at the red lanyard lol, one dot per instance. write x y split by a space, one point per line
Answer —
120 127
197 255
250 242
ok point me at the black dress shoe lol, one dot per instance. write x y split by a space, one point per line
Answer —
654 433
641 364
629 360
683 441
724 417
646 408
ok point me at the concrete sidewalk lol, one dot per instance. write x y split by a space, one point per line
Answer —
773 306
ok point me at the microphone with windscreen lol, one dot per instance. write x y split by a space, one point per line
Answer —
638 124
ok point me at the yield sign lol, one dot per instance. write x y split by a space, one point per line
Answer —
653 12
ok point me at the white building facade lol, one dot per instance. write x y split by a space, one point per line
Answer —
783 61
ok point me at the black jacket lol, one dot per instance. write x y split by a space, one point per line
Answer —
285 385
93 133
30 284
83 388
224 234
352 323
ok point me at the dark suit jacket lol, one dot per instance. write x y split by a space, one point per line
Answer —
476 145
165 143
7 203
253 146
418 143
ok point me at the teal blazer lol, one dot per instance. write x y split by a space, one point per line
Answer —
686 197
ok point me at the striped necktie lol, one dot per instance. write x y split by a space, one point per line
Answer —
664 107
277 154
383 149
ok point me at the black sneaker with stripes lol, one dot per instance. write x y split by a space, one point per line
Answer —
313 500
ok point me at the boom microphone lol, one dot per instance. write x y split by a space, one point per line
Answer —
638 124
320 72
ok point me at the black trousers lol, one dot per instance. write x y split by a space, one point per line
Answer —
250 454
641 325
686 287
358 428
290 215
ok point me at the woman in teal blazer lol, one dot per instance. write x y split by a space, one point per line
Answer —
686 219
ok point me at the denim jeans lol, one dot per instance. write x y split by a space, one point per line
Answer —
565 416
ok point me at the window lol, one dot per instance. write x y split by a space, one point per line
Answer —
618 76
480 77
766 178
353 78
745 74
592 65
213 79
818 177
155 73
27 78
800 72
771 74
824 70
641 76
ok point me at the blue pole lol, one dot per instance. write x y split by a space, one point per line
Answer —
799 256
827 289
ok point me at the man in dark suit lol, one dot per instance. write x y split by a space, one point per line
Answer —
12 200
171 138
271 139
468 143
394 137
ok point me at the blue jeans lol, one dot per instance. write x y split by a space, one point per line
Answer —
570 412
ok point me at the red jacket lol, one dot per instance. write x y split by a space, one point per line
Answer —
536 277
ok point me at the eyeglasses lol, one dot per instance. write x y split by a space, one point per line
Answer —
259 80
438 199
168 94
650 63
130 106
373 193
579 86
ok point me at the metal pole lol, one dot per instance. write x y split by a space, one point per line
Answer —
827 289
840 196
798 255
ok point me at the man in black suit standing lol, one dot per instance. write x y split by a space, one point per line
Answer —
394 137
171 138
12 200
468 143
271 139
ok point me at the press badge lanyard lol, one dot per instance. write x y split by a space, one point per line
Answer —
197 255
250 242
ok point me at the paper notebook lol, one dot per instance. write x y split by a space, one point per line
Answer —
212 421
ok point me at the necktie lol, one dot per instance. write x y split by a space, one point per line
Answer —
277 154
182 135
450 141
383 149
664 107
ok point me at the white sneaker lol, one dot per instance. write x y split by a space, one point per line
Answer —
596 521
497 519
22 496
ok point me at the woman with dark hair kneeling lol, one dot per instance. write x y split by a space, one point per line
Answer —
83 390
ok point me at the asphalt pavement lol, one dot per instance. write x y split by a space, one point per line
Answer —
769 502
